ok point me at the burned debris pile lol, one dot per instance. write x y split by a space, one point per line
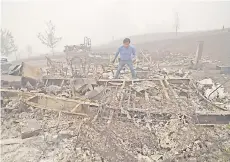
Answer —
72 110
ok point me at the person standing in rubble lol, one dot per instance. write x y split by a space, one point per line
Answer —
127 54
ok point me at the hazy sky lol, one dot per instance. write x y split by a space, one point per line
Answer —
102 19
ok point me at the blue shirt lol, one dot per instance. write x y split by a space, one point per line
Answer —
126 53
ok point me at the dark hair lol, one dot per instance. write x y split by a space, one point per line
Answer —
126 40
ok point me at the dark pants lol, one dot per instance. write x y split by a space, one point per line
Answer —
122 63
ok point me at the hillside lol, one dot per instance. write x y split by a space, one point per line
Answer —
216 43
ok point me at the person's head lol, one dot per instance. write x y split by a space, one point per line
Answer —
126 42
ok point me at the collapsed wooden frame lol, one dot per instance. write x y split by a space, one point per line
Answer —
60 104
83 107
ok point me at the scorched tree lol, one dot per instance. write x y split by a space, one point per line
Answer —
48 38
7 43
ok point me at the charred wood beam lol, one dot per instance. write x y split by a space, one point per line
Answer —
212 118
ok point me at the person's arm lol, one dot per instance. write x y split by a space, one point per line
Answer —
133 52
117 53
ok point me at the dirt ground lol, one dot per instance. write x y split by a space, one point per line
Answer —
216 43
115 131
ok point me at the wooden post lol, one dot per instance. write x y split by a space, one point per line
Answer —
198 54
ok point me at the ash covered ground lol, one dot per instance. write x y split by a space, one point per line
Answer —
77 112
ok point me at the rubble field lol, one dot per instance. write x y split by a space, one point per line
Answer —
73 110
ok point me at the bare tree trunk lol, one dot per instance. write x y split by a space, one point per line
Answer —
176 30
53 51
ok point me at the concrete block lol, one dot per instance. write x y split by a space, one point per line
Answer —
30 128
